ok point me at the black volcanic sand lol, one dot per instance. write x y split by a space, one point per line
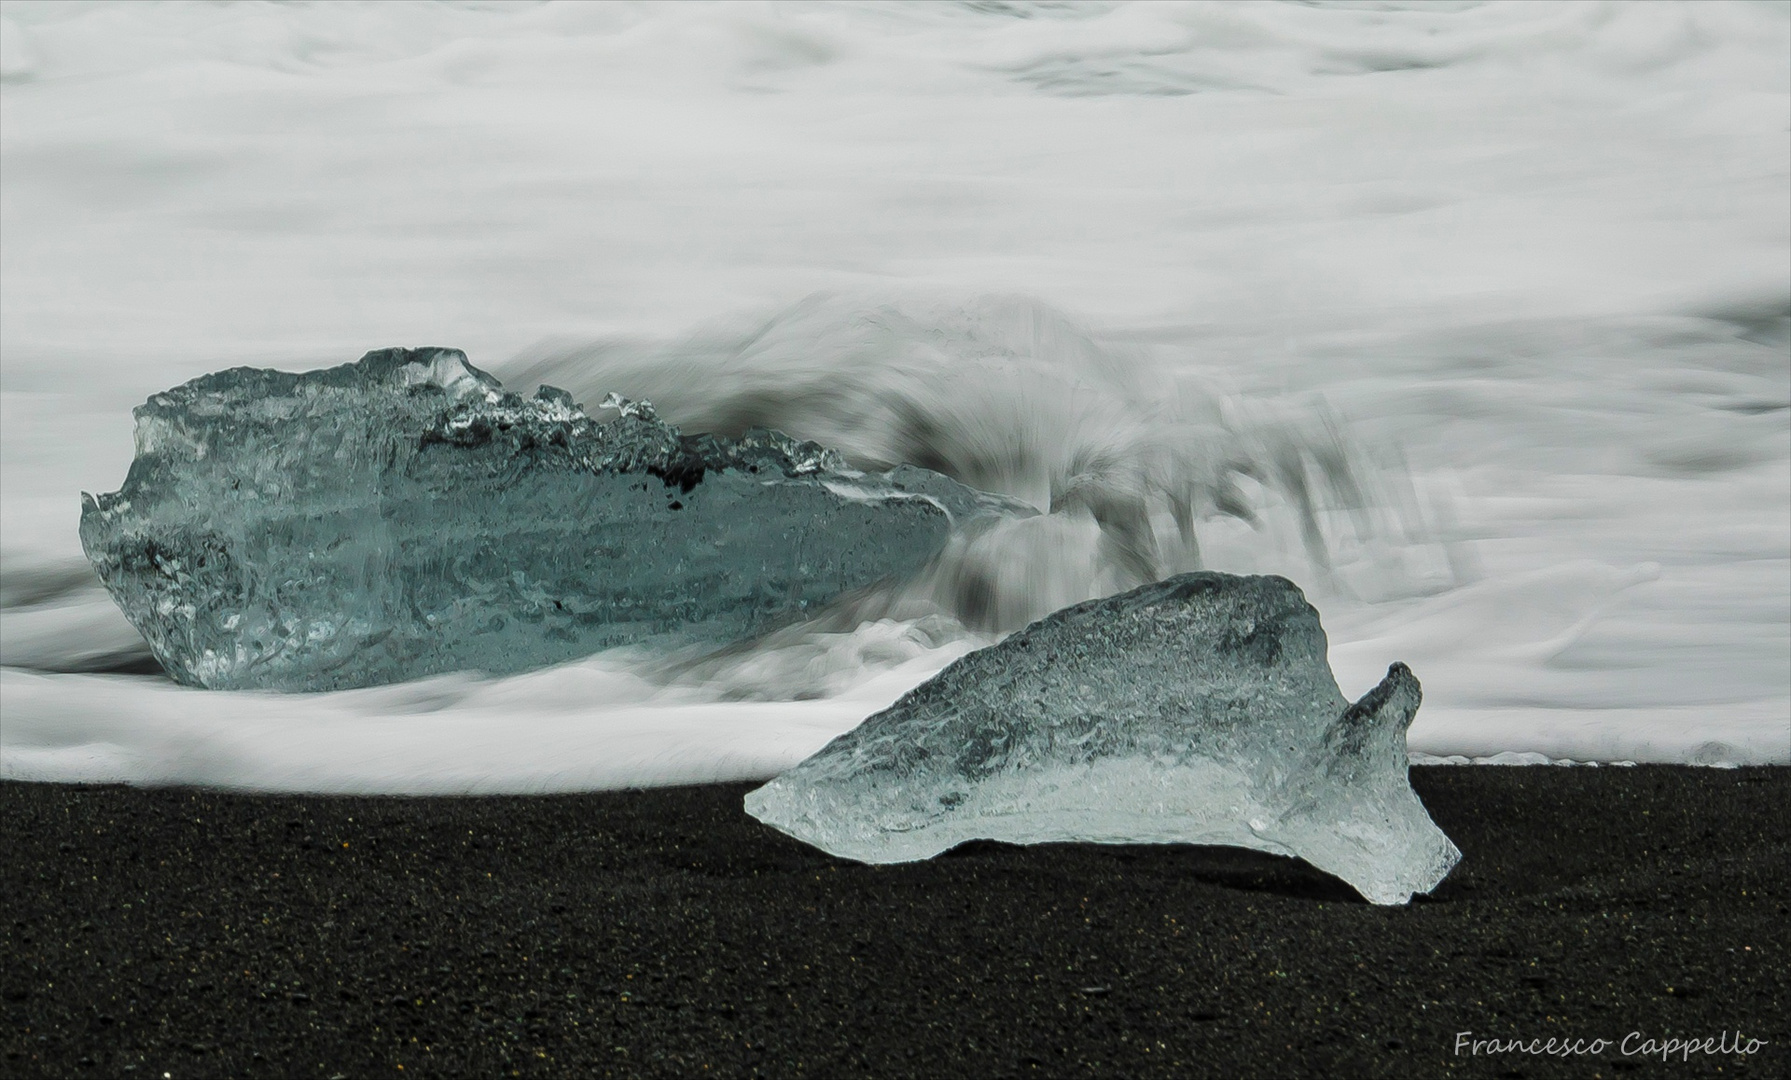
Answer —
191 933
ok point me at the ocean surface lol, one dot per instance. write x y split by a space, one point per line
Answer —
1474 320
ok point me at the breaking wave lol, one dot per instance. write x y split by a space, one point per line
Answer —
1129 459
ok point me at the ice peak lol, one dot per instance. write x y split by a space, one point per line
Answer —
640 410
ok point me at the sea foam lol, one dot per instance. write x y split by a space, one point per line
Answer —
1503 287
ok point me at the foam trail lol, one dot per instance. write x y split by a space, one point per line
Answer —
587 726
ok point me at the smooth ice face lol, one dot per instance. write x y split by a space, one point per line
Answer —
1196 710
403 516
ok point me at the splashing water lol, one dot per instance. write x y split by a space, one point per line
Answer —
1126 458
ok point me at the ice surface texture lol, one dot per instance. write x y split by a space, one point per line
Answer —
1195 710
403 516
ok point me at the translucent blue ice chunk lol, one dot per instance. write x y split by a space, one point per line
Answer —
1196 710
404 515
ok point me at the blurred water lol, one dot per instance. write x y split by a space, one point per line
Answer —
1471 319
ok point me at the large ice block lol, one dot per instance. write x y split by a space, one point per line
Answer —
403 515
1196 710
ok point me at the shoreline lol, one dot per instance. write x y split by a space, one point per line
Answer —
665 932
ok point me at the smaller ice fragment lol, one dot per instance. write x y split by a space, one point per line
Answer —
1196 710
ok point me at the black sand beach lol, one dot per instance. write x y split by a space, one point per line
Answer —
186 933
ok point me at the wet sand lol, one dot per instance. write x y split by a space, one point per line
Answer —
663 932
